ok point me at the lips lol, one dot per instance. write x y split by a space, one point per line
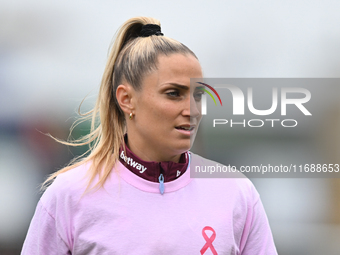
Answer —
186 127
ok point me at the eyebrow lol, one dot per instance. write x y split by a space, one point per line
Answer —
183 86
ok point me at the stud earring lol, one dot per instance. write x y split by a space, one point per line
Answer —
131 116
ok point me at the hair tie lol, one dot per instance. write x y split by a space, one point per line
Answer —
150 29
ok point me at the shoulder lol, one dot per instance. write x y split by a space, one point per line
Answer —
222 178
67 187
72 179
205 168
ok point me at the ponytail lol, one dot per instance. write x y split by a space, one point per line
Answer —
131 58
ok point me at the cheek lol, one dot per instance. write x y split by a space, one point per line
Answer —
154 113
163 115
157 112
161 108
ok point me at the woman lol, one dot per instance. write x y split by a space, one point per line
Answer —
133 193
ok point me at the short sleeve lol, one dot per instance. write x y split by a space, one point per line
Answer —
42 237
258 238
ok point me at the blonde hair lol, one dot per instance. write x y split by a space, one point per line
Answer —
131 58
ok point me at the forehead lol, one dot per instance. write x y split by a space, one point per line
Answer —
174 69
180 64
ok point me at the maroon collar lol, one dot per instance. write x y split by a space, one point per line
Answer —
151 170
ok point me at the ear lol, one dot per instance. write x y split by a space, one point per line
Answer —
124 95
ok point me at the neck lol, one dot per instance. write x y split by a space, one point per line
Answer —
149 155
152 170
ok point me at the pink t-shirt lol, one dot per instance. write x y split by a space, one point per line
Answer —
130 216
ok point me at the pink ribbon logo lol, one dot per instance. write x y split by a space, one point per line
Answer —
208 240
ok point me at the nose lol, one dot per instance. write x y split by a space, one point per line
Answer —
192 108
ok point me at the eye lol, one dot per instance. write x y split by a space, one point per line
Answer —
173 93
198 94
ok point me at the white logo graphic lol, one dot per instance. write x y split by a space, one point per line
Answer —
238 101
178 173
132 163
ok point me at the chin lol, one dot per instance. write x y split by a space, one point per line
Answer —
184 146
192 140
